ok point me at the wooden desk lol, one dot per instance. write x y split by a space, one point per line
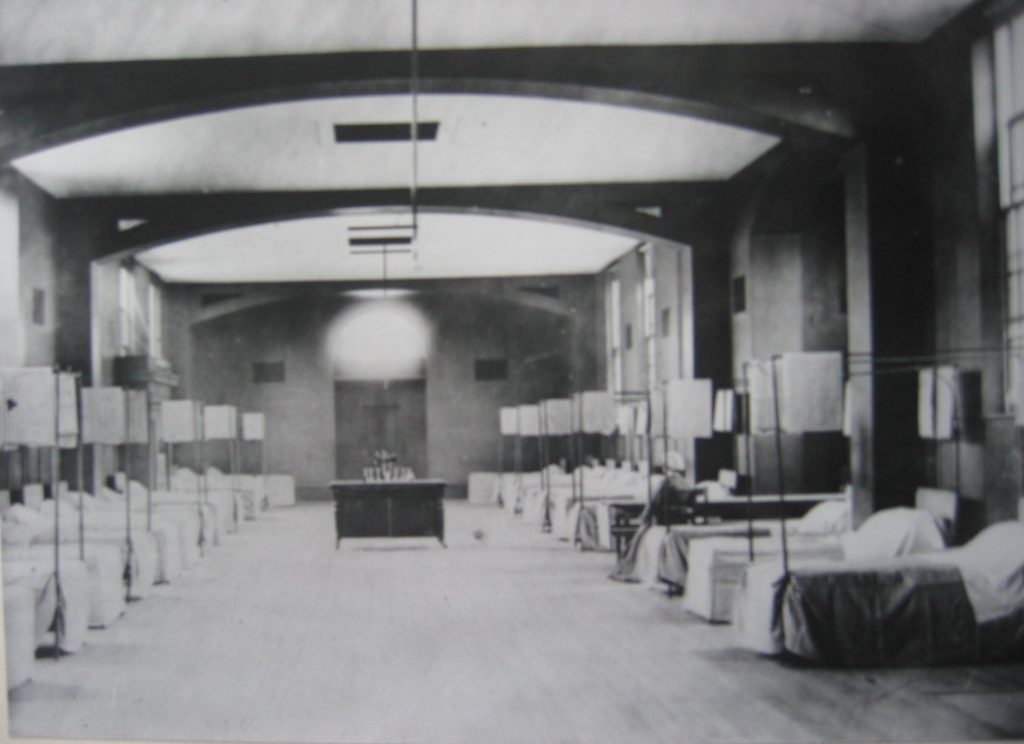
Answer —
388 509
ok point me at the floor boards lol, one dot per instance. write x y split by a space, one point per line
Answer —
514 637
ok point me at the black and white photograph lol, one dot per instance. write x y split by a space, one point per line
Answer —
512 371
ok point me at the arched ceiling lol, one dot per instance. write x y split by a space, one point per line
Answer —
245 136
448 245
47 31
481 140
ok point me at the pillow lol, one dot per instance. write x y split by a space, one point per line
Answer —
893 532
714 491
826 518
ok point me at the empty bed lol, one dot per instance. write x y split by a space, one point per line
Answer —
962 605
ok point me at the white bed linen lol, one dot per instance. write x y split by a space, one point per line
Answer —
708 557
106 518
33 571
992 568
280 489
19 634
535 498
482 488
601 494
106 554
224 501
246 506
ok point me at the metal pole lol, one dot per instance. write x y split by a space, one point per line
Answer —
58 620
664 453
79 470
152 450
169 462
129 552
778 456
749 447
650 449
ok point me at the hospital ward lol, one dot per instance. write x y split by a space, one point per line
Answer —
482 372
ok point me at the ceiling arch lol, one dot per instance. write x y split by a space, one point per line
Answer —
450 243
522 134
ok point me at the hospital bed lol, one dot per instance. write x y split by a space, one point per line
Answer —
19 634
513 486
537 500
196 519
955 605
280 489
29 535
226 502
590 516
483 488
250 491
710 570
32 568
962 605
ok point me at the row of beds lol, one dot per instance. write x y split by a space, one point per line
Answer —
891 592
100 569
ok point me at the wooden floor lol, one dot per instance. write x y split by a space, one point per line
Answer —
512 637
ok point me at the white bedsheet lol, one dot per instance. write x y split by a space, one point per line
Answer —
35 572
280 489
709 557
992 568
482 488
19 634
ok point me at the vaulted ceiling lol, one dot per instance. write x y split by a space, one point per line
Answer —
47 31
485 139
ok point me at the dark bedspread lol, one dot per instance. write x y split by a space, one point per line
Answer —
904 615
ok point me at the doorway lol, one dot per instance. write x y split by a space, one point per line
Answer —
375 414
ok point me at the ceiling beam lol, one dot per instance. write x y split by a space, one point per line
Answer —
781 88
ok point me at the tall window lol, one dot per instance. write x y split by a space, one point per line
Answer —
125 310
1009 85
649 317
156 324
614 332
